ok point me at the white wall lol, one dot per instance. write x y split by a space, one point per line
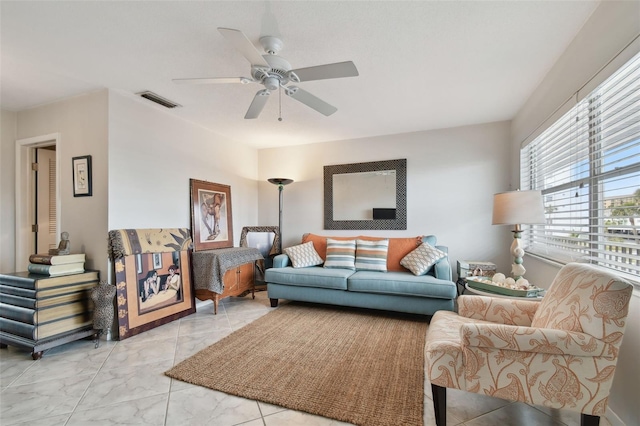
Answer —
82 124
611 28
143 159
152 156
8 123
452 175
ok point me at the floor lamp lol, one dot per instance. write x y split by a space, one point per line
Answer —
518 208
281 182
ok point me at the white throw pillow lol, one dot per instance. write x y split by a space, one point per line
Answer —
420 260
303 255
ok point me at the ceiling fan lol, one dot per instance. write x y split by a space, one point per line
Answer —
275 73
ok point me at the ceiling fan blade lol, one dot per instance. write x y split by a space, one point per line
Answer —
310 100
259 101
244 45
323 72
243 80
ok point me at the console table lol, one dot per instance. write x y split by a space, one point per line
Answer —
224 272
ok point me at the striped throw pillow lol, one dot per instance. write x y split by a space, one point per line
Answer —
341 254
371 255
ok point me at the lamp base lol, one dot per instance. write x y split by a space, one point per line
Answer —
517 268
281 182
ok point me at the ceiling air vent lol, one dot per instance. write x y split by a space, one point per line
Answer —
158 99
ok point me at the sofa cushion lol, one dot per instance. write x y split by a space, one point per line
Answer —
420 260
315 276
341 254
401 283
371 255
303 255
398 247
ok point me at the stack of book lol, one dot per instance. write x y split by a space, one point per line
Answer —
474 268
54 265
36 307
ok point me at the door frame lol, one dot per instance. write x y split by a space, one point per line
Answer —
25 194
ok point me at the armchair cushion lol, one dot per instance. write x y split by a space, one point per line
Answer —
530 339
586 299
498 310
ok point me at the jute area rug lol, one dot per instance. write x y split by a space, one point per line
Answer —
357 366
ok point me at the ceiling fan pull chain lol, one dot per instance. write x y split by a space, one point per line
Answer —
280 103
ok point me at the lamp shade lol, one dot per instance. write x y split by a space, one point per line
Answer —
280 181
518 207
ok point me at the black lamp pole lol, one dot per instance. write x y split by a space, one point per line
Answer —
281 182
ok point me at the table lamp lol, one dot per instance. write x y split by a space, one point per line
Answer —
281 182
518 208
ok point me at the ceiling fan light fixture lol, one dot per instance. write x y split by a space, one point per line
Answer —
271 45
271 83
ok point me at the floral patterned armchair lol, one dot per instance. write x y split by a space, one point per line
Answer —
559 353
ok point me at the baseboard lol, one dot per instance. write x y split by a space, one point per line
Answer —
613 418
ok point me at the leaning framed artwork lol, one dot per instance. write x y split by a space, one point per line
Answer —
267 240
211 216
81 176
264 238
148 296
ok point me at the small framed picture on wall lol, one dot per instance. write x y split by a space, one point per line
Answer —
81 176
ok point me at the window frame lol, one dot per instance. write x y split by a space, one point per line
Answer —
585 134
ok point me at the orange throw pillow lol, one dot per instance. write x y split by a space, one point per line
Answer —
398 247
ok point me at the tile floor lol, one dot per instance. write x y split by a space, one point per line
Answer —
123 383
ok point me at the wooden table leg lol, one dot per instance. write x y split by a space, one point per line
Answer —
209 295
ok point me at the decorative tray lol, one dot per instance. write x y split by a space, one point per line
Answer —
486 285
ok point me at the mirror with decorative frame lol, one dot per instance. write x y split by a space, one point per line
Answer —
366 195
266 240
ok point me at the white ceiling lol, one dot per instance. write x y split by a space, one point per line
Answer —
423 64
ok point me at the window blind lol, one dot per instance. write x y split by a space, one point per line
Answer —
587 165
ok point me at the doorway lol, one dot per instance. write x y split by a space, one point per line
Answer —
46 229
37 196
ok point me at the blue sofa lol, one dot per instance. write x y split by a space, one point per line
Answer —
395 290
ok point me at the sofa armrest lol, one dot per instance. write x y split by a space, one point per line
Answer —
281 261
497 309
442 269
534 340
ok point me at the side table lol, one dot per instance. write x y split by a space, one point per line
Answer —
224 272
